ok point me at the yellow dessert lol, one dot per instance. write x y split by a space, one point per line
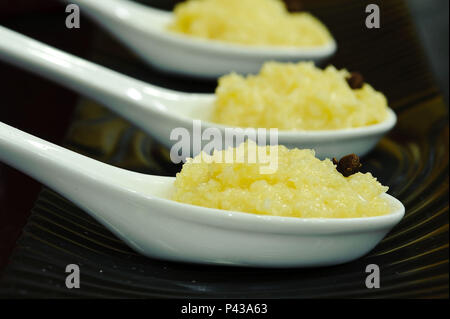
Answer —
248 22
298 96
301 186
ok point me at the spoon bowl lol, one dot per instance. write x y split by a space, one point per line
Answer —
137 208
143 30
159 111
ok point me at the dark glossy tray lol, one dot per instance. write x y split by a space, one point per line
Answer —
412 161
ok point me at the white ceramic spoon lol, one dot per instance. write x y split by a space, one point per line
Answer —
159 111
137 208
143 29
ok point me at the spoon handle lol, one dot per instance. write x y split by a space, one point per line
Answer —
122 9
129 97
63 170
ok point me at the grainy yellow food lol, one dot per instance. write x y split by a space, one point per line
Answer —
249 22
302 186
298 96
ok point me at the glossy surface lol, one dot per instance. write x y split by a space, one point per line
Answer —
412 160
158 111
137 208
143 30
